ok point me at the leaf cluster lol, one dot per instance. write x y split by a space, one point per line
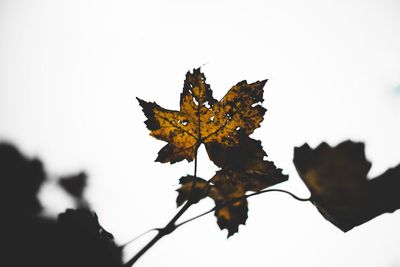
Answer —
335 176
223 127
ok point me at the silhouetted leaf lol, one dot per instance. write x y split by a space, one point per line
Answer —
76 239
202 119
245 163
231 216
83 220
224 187
243 169
74 185
337 180
199 191
20 181
85 242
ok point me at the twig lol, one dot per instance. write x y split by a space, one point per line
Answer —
171 226
224 204
139 236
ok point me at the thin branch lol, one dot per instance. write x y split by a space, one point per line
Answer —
226 203
171 225
139 236
195 154
169 228
194 173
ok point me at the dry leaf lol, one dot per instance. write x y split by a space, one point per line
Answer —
202 119
224 127
337 180
225 187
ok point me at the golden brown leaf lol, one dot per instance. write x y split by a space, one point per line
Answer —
224 127
227 186
337 180
201 119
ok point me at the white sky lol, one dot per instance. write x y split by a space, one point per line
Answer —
70 72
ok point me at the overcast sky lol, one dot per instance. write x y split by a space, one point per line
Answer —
70 72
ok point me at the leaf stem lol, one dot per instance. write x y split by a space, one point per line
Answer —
220 206
194 173
139 236
172 226
169 228
195 154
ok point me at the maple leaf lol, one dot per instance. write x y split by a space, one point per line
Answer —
224 128
227 185
202 119
224 188
340 190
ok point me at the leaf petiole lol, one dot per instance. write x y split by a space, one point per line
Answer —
224 204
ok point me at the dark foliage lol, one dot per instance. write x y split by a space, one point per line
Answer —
337 180
74 239
21 179
74 184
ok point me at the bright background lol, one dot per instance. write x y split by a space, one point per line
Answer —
70 72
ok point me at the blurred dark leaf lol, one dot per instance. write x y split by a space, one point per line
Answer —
20 181
76 239
74 184
202 119
83 220
86 242
337 180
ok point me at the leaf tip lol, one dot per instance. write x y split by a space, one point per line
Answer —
141 101
263 82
